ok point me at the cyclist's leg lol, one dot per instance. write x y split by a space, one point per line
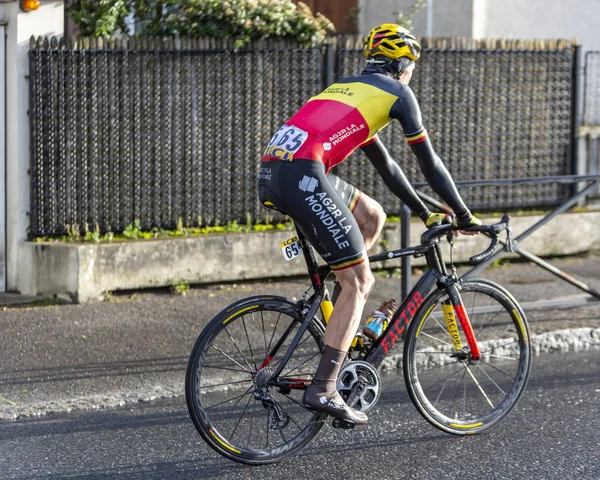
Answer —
356 283
327 222
370 217
368 213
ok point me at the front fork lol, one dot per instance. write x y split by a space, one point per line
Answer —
454 308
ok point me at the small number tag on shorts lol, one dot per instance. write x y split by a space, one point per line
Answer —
291 249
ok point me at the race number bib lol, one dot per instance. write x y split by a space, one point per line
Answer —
291 249
286 141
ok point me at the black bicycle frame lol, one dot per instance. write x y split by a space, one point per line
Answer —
401 318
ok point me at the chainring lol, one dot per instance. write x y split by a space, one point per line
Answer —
366 382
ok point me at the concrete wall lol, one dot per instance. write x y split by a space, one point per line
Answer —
440 18
47 21
86 272
540 19
494 19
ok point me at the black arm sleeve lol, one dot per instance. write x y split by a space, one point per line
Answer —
394 177
407 111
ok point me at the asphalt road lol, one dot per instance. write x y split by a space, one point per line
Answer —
135 346
553 434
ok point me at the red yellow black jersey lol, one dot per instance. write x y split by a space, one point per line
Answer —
347 115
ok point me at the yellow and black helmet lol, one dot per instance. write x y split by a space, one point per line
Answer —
392 42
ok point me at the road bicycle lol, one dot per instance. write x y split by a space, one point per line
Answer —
466 359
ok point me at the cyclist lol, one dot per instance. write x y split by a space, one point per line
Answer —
340 221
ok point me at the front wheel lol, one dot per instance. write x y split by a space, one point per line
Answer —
454 392
231 401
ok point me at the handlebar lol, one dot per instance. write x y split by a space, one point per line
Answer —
491 230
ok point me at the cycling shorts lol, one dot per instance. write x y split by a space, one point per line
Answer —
320 204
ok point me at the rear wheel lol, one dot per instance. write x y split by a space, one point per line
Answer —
234 408
451 390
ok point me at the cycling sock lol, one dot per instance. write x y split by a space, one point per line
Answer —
322 395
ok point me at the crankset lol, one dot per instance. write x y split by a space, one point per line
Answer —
359 385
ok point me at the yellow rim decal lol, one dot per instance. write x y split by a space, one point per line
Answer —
424 317
239 311
471 425
451 324
223 443
520 322
326 309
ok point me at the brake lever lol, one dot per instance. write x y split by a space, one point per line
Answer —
509 242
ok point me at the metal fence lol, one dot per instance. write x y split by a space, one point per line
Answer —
591 99
158 133
490 114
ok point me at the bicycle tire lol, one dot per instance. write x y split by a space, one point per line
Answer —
221 381
491 387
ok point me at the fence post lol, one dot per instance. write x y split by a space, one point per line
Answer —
329 63
576 165
405 243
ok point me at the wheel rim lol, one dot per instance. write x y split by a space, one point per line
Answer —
240 412
456 390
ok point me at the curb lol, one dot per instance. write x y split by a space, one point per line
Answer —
559 341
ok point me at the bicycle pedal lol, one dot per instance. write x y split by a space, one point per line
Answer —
344 424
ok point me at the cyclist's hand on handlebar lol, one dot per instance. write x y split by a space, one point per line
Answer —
463 225
436 219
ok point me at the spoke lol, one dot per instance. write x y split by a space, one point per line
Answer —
248 339
500 338
272 335
262 320
435 338
282 436
478 386
301 374
225 368
491 319
287 395
473 305
238 348
297 346
498 369
504 358
434 381
250 431
484 315
291 332
443 386
500 346
436 353
268 425
229 399
289 416
491 379
226 383
445 330
234 361
240 419
457 390
440 366
464 400
302 364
